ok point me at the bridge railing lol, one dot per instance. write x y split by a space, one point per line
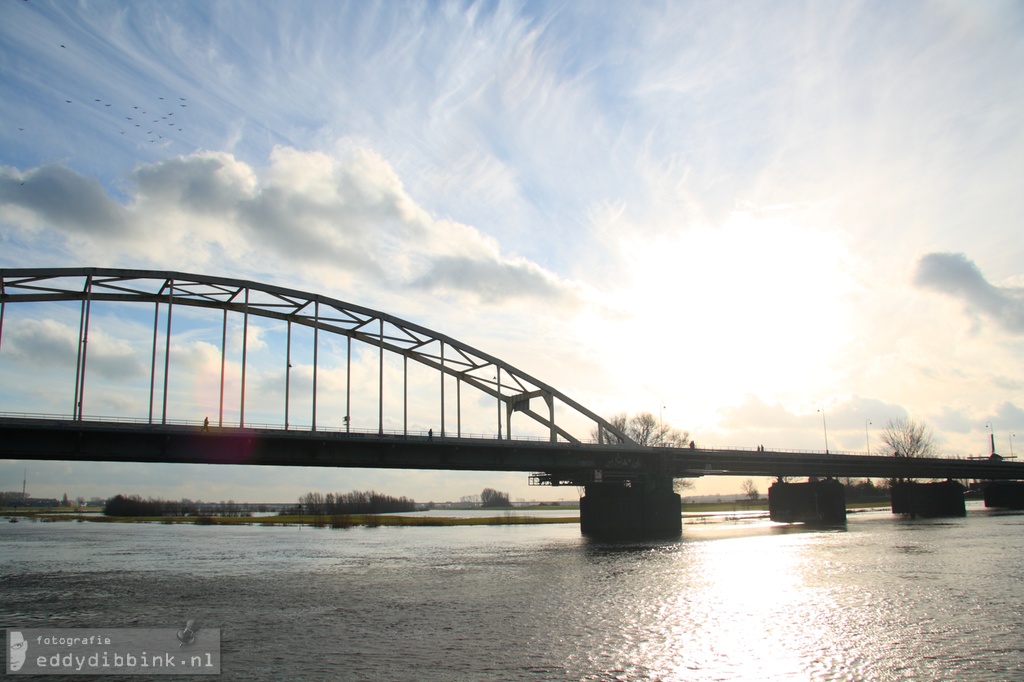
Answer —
788 451
256 426
398 433
796 451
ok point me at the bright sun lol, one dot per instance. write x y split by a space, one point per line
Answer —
755 306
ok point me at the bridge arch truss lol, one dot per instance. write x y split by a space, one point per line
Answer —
515 392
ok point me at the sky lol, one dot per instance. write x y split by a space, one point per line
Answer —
767 223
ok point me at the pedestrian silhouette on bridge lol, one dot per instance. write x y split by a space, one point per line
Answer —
206 425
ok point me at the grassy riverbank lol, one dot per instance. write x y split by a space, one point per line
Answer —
341 521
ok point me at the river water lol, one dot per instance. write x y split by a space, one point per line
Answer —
886 598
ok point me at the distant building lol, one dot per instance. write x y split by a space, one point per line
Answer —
19 499
12 499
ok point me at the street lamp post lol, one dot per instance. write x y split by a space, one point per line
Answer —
991 438
867 440
1011 445
658 439
497 385
824 427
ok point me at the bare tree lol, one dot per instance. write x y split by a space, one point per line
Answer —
647 430
494 498
750 490
908 438
314 503
644 429
681 484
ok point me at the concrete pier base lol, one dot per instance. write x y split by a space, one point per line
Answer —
612 511
1004 494
945 498
813 502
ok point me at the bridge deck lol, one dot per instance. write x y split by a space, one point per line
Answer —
564 463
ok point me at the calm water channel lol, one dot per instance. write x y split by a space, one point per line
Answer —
884 599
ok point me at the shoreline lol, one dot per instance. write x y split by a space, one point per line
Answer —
323 521
691 511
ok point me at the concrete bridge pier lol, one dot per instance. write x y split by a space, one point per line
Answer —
930 500
821 501
634 510
1004 494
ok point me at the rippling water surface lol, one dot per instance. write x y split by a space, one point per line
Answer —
882 599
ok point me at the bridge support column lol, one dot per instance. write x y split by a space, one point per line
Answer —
945 498
1004 494
646 510
813 502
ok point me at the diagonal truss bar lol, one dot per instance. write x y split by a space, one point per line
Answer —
510 386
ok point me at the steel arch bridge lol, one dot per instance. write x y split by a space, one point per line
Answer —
513 390
560 456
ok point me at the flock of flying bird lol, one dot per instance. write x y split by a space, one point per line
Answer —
153 122
156 120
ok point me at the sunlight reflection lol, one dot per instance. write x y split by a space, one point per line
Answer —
744 605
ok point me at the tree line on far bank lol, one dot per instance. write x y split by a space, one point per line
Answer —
488 499
134 505
355 502
318 504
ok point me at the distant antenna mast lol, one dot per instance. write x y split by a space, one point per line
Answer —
24 481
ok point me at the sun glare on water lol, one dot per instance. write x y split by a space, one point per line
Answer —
747 608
